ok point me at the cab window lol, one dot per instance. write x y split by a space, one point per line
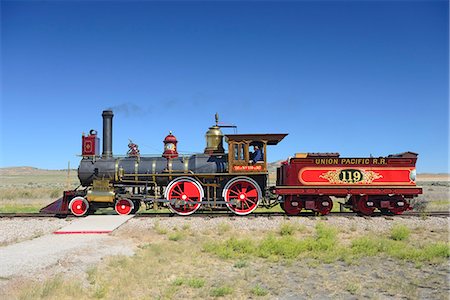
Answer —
239 152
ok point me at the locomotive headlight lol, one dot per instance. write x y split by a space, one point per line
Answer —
412 175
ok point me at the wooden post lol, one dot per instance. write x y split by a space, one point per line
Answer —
68 176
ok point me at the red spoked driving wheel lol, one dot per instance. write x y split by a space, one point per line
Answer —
365 205
292 205
185 195
79 206
324 205
124 206
242 195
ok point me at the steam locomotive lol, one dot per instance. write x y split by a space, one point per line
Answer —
236 181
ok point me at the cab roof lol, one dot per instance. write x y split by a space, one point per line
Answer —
270 138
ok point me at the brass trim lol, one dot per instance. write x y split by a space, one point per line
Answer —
116 170
196 174
136 169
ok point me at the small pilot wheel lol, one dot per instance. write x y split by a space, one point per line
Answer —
79 206
124 206
242 195
185 195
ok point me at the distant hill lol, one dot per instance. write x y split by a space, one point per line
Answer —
28 171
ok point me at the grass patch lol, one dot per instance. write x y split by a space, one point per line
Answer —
223 227
352 287
20 208
287 229
159 229
370 246
324 247
400 233
240 264
178 282
176 236
231 247
259 291
54 288
196 283
221 291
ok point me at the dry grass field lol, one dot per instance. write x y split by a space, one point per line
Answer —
297 258
26 189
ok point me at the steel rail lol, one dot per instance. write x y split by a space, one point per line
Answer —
215 214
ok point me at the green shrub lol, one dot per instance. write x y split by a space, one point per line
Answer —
367 246
286 247
178 281
240 264
400 232
325 238
324 247
158 228
231 248
287 229
352 287
370 246
221 291
196 283
176 236
259 291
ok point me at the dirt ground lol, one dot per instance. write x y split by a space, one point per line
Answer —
170 251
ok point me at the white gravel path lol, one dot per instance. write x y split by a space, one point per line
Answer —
30 249
37 255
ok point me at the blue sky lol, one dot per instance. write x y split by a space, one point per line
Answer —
356 77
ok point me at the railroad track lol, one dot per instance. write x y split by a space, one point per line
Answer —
224 214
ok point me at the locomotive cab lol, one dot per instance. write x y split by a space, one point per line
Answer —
241 159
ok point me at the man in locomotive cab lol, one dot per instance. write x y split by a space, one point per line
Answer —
257 154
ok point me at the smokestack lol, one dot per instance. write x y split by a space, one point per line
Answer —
107 133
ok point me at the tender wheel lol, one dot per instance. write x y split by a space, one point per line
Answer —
242 195
398 205
185 195
365 205
292 205
324 205
79 206
124 206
